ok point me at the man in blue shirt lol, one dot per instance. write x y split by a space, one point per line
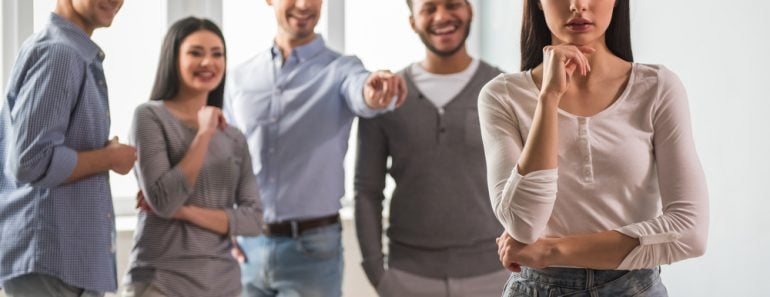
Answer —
296 103
56 218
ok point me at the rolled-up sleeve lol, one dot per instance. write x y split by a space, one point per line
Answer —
164 186
246 217
40 115
522 204
681 231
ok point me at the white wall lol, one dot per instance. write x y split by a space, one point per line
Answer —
719 49
500 25
12 11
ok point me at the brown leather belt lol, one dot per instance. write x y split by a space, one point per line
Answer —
295 228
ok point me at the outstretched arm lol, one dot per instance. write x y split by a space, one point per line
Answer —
369 94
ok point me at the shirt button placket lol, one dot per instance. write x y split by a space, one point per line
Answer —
273 132
584 145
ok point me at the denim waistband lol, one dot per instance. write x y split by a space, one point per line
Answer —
584 279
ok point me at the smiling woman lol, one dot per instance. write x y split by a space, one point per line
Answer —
190 208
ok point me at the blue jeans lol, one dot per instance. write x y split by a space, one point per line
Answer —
309 265
578 282
43 285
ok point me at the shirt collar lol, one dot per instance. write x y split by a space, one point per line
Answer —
83 43
303 52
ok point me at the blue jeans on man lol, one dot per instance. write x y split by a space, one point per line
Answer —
308 264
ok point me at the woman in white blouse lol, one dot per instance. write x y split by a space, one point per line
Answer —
591 163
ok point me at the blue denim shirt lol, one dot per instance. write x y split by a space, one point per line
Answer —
56 105
296 115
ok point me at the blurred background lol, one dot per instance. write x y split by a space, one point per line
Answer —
718 48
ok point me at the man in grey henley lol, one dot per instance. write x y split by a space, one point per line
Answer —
441 226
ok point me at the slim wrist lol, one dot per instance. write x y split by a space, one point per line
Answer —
108 154
205 133
549 100
553 252
181 213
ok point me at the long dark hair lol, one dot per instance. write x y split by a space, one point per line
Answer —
167 78
535 34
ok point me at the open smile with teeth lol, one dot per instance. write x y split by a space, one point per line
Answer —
446 30
204 74
302 18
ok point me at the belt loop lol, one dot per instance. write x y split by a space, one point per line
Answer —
294 229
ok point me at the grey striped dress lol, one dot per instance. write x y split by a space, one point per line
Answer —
177 257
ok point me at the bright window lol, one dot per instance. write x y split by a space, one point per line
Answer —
249 27
2 54
382 40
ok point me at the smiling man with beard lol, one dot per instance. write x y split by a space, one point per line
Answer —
442 229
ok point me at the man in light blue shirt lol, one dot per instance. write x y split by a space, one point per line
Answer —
56 217
296 103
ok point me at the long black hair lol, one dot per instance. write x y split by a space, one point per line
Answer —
167 78
535 34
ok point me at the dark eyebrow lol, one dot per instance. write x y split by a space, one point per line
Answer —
200 47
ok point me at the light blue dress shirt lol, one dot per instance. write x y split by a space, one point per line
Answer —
296 115
56 105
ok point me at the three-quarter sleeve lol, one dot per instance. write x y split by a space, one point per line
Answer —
40 117
371 168
165 187
522 204
246 216
681 231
